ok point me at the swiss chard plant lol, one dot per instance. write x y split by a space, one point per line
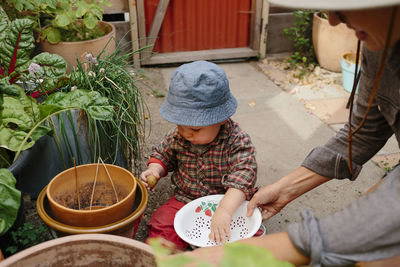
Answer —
10 199
42 72
23 119
62 20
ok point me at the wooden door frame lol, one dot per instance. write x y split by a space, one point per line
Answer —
257 45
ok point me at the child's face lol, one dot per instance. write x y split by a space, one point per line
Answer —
200 135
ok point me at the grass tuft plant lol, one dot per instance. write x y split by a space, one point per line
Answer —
114 78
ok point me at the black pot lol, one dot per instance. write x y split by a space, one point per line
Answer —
37 166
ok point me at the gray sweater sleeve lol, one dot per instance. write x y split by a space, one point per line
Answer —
366 230
330 160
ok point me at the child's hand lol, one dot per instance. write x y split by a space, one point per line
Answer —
149 178
220 226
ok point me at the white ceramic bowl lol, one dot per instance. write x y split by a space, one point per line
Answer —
192 221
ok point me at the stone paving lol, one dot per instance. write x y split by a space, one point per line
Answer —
323 95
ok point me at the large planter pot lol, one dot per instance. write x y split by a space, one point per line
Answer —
37 166
92 195
126 227
85 250
71 51
330 42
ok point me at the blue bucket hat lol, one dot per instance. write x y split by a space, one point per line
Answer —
198 95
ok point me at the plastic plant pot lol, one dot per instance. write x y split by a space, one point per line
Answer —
126 227
100 201
348 65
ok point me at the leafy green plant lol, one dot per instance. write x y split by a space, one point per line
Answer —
301 36
23 120
10 200
62 20
109 75
27 236
16 46
236 254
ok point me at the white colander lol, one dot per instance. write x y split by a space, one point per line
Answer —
192 221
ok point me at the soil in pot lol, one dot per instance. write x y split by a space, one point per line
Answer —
104 196
126 227
351 58
108 187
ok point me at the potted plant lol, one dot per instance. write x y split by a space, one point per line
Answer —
348 64
68 28
114 132
115 78
92 195
330 42
126 226
25 121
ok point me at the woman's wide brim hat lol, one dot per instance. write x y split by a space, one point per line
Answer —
334 4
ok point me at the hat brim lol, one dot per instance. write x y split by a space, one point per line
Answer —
198 117
334 4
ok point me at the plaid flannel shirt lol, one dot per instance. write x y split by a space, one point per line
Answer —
200 170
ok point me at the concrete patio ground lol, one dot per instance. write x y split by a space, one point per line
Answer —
285 121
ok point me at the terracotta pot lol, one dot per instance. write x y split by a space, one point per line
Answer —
126 227
100 202
85 250
71 51
330 42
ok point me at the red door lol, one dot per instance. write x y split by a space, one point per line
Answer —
192 25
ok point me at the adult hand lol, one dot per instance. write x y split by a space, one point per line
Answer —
270 201
272 198
220 226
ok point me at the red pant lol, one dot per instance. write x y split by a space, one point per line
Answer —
162 223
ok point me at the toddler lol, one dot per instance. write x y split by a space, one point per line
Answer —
208 153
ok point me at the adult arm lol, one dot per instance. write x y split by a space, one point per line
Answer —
366 230
272 198
279 244
330 160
